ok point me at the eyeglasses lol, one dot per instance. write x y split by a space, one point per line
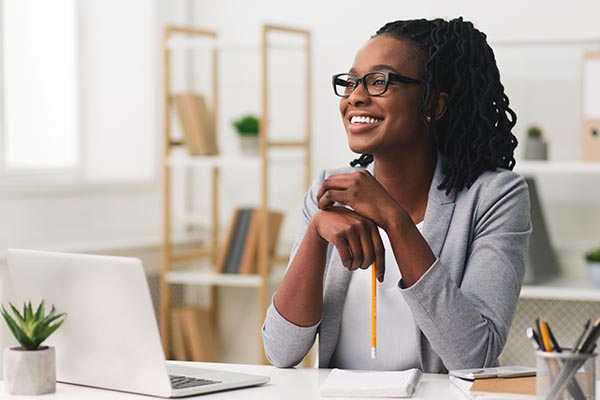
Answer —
374 83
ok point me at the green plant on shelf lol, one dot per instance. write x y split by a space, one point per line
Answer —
30 328
247 125
534 132
593 255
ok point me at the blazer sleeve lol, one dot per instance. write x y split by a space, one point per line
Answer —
285 343
466 321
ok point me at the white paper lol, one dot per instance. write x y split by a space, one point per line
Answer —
346 383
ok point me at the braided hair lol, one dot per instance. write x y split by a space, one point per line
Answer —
474 134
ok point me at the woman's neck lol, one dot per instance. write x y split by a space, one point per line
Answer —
407 179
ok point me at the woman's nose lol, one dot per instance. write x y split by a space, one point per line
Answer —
359 95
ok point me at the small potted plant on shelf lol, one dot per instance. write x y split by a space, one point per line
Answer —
30 369
536 147
592 259
248 127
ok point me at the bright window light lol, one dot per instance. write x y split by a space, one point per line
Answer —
39 84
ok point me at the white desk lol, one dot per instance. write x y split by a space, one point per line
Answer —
292 384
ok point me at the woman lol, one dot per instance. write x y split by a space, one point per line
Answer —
432 202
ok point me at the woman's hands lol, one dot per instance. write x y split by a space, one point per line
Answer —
354 231
360 191
355 237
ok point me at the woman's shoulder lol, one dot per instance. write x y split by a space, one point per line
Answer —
493 185
498 178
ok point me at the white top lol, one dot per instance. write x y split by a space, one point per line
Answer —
397 347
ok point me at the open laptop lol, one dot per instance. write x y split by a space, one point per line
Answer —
110 337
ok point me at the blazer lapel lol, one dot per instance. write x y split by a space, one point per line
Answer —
438 214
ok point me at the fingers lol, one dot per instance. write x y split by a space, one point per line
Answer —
331 196
362 243
341 188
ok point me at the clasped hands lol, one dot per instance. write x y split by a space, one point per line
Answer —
354 230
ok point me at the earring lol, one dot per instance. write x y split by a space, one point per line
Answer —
428 118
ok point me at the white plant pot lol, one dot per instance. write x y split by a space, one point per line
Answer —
249 145
29 372
593 270
536 149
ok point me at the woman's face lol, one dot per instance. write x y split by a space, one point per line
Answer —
394 124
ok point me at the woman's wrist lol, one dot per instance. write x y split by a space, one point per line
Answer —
397 222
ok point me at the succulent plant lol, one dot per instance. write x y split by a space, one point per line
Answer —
593 255
534 132
31 329
247 125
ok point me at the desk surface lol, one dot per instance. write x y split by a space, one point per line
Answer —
299 383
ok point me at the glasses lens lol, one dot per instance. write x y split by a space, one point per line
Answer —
376 83
344 84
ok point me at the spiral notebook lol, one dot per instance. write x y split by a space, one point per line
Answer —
370 384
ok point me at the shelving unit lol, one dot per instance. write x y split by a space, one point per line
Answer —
554 167
190 39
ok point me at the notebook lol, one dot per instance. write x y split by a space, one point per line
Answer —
517 388
370 384
110 337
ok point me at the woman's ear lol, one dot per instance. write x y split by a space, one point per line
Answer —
440 107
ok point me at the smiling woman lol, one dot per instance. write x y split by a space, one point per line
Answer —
432 203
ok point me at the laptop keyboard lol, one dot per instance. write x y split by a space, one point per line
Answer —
181 382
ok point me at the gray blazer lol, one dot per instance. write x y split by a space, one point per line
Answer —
463 305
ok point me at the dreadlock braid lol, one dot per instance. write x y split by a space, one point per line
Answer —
474 135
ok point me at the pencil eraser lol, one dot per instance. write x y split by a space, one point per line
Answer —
373 352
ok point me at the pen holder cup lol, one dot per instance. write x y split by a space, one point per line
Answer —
565 376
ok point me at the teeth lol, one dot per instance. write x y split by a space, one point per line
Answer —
363 120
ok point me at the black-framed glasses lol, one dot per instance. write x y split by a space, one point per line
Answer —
374 83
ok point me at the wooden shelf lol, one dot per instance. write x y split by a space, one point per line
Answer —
205 278
192 43
273 150
556 167
563 288
241 161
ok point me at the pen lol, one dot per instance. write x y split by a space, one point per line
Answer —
534 339
590 341
373 311
553 340
580 338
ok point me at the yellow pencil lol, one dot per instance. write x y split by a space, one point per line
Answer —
373 311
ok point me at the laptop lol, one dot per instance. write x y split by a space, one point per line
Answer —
110 337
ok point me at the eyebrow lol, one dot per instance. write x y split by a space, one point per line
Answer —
378 67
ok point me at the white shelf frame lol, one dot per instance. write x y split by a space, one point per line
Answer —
557 167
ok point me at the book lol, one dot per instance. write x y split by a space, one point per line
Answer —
231 254
590 140
517 388
196 124
370 384
177 336
200 339
249 260
508 371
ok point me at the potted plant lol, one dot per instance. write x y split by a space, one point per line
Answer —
30 369
248 127
536 147
592 259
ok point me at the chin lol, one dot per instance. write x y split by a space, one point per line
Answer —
357 147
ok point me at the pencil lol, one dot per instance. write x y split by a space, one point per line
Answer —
373 311
547 344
